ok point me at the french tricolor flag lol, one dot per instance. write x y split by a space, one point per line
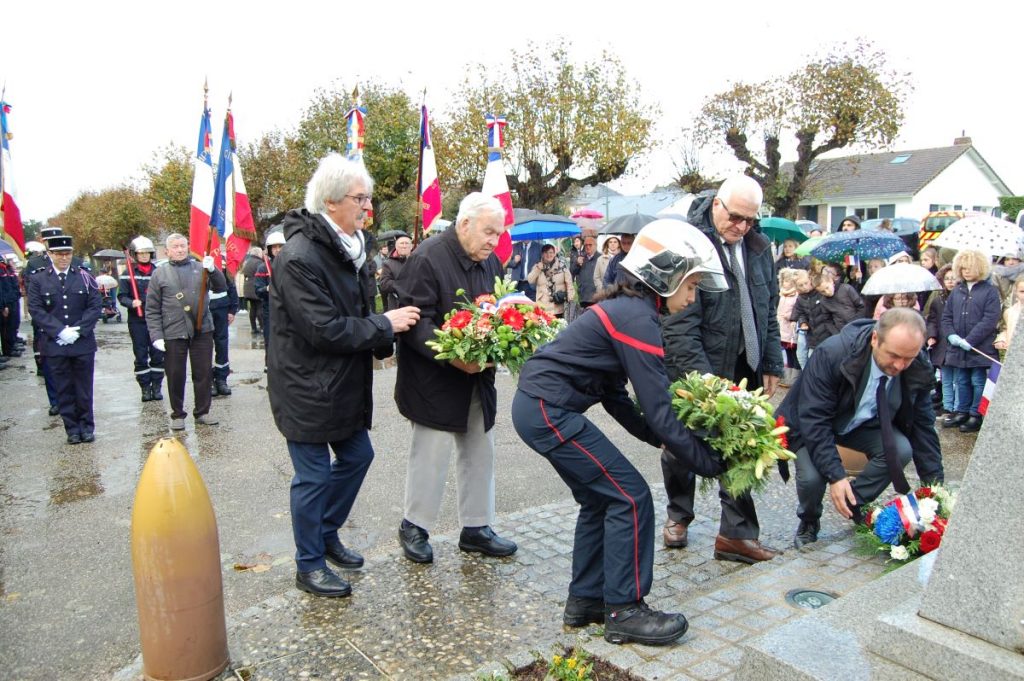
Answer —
429 186
202 193
356 119
989 391
236 225
496 184
12 215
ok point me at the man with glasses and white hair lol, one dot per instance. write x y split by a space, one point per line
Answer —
449 403
733 334
325 333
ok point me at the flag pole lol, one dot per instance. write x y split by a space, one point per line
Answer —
209 245
419 178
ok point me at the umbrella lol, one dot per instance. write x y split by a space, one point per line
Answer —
587 213
109 253
865 245
627 224
806 247
5 248
106 281
391 234
900 278
984 233
780 229
543 226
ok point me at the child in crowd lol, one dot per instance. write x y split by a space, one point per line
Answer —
841 301
871 302
787 327
896 300
937 342
1010 317
810 316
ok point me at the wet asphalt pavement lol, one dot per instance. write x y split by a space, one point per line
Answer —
66 593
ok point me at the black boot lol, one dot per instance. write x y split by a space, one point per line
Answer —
579 611
147 392
155 393
807 532
221 384
637 623
971 425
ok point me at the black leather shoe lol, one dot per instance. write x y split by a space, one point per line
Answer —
806 532
322 582
579 611
414 543
483 540
343 557
74 439
971 425
54 410
89 437
637 623
955 419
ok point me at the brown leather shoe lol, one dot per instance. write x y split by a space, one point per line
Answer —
674 534
743 550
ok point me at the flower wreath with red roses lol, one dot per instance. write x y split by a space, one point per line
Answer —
909 526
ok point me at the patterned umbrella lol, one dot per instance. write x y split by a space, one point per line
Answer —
984 233
780 229
864 244
900 278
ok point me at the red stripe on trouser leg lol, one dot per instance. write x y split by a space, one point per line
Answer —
636 522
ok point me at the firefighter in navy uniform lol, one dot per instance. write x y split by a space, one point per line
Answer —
65 302
223 307
149 361
10 309
40 262
263 278
616 340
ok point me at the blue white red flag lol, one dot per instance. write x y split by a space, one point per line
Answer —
232 213
13 229
496 184
989 392
202 192
429 185
356 118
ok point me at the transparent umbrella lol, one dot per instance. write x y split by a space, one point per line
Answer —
900 278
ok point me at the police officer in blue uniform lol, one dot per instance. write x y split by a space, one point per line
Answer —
10 310
616 340
223 308
65 303
149 361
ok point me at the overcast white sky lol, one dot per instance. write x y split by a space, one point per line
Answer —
98 86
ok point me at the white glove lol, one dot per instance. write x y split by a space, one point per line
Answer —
69 334
159 345
208 263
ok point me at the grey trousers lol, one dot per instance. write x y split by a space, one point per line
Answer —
867 438
427 471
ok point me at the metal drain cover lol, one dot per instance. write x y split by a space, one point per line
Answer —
809 599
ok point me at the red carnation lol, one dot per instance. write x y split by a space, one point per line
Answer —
784 441
940 525
460 319
780 421
734 388
923 493
930 541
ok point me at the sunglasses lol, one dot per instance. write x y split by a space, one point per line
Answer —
736 218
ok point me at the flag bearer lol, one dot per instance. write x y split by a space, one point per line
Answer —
149 361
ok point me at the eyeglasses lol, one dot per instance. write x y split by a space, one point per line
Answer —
361 199
736 218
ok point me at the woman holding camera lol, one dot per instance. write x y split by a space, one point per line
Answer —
553 282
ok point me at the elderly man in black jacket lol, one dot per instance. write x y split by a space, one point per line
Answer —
320 364
733 334
449 402
836 401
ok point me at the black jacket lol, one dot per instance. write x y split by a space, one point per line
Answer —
584 275
809 310
843 307
54 305
826 394
706 335
612 342
932 311
428 391
389 272
125 295
320 363
228 299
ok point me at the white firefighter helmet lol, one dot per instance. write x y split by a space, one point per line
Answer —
141 244
666 252
34 247
275 239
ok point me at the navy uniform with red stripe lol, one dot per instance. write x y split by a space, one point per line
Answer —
616 340
149 361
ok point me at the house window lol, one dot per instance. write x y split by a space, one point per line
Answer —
866 213
958 207
902 158
932 207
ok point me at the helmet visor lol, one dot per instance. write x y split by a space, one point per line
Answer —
665 271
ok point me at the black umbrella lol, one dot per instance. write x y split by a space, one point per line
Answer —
109 253
627 224
391 234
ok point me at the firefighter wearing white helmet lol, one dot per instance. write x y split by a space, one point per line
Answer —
132 288
262 280
616 340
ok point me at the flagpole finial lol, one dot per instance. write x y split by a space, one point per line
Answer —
230 95
355 96
206 89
